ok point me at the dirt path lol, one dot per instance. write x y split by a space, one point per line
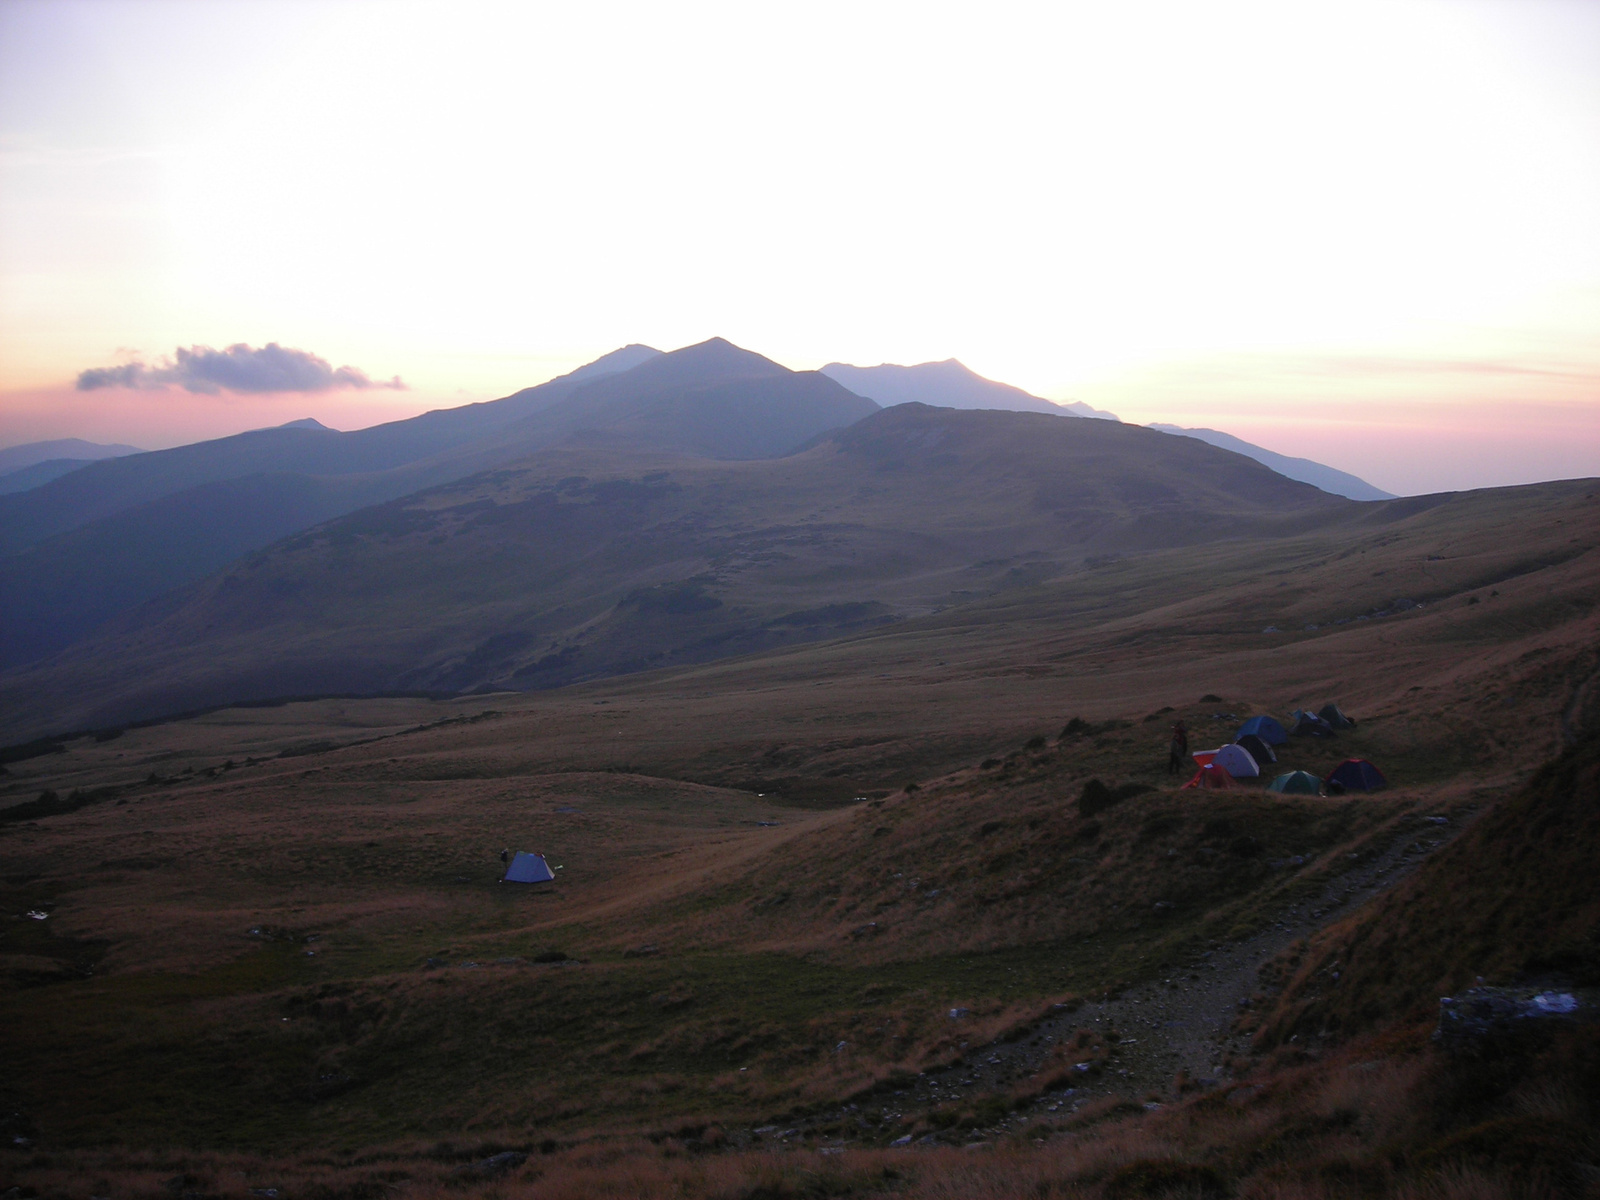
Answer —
1181 1022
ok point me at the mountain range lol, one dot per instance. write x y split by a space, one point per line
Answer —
104 539
645 508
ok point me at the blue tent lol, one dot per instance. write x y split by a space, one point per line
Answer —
528 868
1265 728
1355 775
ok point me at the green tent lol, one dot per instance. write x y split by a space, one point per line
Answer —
1301 783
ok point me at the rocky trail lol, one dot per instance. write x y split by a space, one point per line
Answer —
1128 1048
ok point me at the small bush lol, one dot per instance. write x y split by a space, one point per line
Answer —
1095 798
1163 1177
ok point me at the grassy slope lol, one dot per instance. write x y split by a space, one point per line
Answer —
1514 900
386 848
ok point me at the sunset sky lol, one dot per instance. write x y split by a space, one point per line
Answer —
1367 234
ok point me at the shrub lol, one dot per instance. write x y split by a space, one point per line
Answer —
1095 798
1162 1177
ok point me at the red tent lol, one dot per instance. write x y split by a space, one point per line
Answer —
1211 776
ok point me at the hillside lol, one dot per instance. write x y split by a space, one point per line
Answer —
1512 902
759 920
592 560
86 548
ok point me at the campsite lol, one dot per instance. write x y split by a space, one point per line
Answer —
296 908
711 601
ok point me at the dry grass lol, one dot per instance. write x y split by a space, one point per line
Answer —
335 1067
1336 1127
1514 899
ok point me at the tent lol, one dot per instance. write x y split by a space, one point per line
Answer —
1211 776
1334 716
1308 724
1356 775
528 868
1265 728
1236 761
1298 783
1258 749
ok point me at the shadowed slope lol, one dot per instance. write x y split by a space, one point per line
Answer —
167 519
582 562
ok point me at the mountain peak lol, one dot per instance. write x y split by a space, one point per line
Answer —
715 360
625 359
307 423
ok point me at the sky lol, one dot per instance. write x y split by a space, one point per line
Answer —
1363 233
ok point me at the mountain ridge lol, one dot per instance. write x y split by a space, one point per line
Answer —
1329 479
14 458
948 383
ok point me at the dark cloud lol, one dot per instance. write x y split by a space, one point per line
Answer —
239 368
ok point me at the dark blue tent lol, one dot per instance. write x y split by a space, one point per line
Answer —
1265 728
1258 749
1355 775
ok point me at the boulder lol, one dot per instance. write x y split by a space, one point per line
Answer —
1483 1016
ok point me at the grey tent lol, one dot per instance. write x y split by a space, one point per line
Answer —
1308 724
1333 715
528 868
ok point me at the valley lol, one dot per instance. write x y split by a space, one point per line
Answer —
780 871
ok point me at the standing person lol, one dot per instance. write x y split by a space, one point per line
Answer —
504 855
1179 749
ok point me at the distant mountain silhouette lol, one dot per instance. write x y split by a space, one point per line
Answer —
14 458
40 473
712 399
111 487
599 556
947 384
625 359
97 542
304 423
1339 483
